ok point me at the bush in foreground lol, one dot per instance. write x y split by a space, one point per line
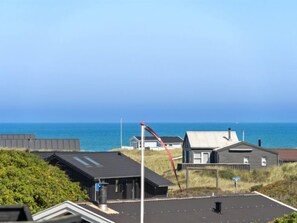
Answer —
27 179
292 218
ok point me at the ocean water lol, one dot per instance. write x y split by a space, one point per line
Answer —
106 136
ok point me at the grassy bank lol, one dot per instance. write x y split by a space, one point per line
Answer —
204 181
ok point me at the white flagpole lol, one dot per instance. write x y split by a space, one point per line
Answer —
142 175
121 133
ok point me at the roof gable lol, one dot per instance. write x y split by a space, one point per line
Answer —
70 207
240 143
210 139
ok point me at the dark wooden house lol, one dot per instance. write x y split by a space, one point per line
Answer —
120 172
254 156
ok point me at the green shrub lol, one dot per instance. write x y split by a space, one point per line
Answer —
27 179
292 218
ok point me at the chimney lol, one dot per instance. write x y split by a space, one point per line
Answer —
259 143
229 133
218 208
102 198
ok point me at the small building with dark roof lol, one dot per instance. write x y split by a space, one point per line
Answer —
151 142
120 172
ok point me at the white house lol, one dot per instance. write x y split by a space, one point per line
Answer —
151 142
198 145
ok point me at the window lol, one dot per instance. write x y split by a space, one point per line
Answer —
246 160
201 157
263 161
197 157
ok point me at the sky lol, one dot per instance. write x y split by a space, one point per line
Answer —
156 61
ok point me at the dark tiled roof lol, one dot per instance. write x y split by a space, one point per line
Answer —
244 208
104 165
165 139
287 154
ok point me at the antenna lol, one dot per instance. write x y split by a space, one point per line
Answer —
243 135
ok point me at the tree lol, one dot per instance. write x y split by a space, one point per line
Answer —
27 179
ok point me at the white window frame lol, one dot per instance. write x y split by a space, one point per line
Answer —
199 156
246 160
263 161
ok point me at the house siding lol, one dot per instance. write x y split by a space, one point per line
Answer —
123 188
227 156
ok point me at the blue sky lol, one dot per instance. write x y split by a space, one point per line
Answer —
181 61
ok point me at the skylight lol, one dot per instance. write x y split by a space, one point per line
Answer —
92 161
81 161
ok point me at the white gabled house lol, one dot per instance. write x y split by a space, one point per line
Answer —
151 142
198 145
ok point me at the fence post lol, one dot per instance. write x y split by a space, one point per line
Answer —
187 177
217 180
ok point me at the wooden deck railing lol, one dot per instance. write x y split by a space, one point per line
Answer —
239 166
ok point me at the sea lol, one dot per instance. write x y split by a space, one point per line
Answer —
107 136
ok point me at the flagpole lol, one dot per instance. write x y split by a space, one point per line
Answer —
142 174
121 133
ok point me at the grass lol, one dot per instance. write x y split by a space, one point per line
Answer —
204 181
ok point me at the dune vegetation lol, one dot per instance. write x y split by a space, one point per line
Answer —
27 179
271 181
